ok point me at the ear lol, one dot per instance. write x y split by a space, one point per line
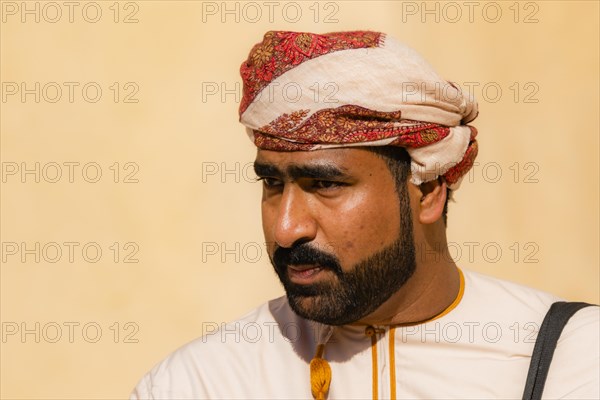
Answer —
432 200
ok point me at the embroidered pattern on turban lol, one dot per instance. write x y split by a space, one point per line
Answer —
304 91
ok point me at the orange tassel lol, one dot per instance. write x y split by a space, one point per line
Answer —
320 378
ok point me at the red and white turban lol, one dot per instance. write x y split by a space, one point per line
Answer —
304 91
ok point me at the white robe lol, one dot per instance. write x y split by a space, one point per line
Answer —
480 349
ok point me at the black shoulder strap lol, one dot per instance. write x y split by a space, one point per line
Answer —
557 317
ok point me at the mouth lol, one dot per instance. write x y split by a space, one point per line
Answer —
304 274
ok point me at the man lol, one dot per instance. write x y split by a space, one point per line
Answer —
356 173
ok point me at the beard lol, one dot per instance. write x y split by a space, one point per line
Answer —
353 294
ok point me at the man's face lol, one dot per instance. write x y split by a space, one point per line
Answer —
332 221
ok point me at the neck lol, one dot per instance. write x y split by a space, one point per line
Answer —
433 287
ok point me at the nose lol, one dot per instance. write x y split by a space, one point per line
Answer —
295 222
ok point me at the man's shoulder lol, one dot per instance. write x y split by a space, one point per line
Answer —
515 312
233 348
496 296
485 292
520 306
225 339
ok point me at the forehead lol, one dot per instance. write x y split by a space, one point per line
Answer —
345 159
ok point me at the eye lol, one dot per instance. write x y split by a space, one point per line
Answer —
325 185
269 183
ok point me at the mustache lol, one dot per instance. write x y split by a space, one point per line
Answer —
305 254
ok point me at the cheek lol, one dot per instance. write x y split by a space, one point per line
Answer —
268 216
367 224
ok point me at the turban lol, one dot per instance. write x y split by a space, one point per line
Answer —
306 91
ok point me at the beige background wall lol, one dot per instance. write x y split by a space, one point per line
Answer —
174 212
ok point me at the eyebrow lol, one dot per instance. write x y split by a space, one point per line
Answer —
262 169
317 171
